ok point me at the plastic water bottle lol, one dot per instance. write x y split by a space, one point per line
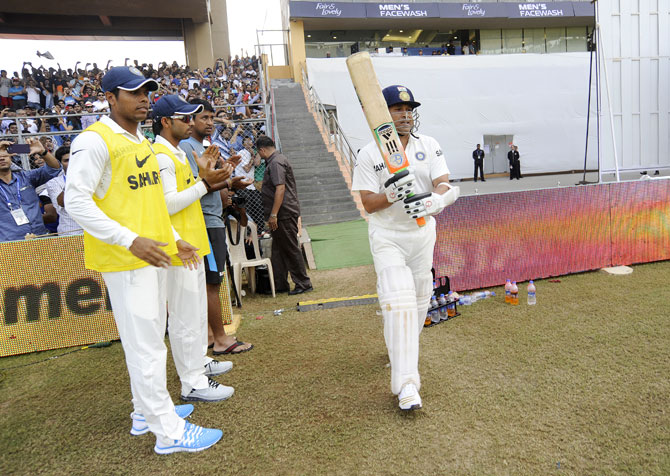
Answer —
508 295
532 297
442 302
482 295
451 307
514 294
434 313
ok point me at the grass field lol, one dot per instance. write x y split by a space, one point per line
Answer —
577 385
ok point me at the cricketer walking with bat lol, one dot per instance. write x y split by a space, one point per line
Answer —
402 230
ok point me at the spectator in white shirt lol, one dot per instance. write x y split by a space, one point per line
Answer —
101 103
56 190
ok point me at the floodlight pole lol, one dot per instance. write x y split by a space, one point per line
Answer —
603 62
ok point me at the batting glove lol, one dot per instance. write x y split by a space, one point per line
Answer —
399 186
430 203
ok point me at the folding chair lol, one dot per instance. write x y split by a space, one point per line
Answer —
240 262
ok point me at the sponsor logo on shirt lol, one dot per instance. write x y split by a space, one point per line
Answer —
144 180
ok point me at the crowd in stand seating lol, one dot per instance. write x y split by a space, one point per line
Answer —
42 101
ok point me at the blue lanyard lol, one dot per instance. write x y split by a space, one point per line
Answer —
18 193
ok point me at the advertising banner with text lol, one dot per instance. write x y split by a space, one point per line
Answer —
48 300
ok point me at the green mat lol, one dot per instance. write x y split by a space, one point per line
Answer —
340 245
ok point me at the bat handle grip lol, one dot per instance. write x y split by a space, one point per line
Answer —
421 221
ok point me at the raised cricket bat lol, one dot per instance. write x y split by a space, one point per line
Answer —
377 114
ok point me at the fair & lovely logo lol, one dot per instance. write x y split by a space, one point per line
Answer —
328 9
474 9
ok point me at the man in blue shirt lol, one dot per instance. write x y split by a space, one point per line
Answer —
212 209
19 204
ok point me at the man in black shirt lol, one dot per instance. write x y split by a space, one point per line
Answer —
478 156
514 163
281 210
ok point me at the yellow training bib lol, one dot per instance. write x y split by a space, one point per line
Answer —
134 199
189 222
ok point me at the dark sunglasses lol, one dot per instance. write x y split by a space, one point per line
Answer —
185 118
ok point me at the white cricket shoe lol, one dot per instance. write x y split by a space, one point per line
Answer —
216 367
140 426
409 398
214 392
195 438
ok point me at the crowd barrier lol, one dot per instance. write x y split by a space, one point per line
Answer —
483 240
48 300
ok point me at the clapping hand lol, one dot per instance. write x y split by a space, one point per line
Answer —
240 182
234 160
215 178
186 252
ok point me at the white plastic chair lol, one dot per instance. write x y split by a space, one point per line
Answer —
240 262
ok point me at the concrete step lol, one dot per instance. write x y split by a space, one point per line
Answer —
343 194
334 217
322 206
326 207
324 188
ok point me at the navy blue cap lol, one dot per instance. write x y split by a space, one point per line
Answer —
174 105
127 78
397 94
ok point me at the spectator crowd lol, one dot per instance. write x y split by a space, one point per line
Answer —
51 103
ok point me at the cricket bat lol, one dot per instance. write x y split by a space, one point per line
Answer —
377 114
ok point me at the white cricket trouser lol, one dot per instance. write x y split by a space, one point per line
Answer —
403 260
187 325
138 302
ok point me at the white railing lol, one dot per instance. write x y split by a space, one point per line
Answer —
331 125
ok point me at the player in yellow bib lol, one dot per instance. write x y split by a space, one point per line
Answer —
114 193
187 293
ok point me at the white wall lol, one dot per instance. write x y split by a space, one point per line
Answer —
539 99
636 45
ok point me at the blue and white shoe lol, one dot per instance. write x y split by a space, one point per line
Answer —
140 426
195 438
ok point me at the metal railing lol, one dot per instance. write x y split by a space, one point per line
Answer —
331 125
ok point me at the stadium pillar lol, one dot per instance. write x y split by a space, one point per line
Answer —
207 41
297 44
220 36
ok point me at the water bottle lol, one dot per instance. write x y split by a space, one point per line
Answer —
508 287
532 297
482 295
514 294
434 313
442 302
451 307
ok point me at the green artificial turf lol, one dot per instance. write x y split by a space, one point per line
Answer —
340 245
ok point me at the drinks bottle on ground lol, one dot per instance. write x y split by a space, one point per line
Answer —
508 286
514 294
442 302
434 313
451 307
532 293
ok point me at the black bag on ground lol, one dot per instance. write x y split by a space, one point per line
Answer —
263 281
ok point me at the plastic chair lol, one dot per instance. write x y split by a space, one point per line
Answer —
240 262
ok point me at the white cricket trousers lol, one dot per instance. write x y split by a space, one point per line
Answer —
403 262
138 300
187 325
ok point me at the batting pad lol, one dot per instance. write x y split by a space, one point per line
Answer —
397 299
424 290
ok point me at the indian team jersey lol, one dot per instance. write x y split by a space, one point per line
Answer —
134 199
428 162
189 222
